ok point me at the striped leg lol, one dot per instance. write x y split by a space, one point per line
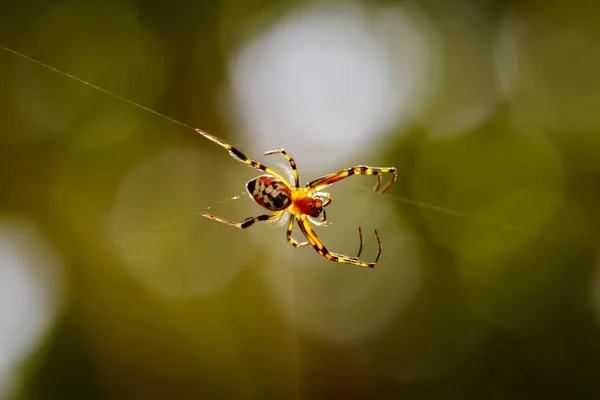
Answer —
327 180
314 240
292 163
247 222
238 155
288 235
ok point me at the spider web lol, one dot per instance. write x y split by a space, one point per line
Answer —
287 172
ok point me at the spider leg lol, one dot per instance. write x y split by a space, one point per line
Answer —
291 161
238 155
314 240
288 235
247 222
360 241
324 181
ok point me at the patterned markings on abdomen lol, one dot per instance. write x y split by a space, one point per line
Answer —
270 192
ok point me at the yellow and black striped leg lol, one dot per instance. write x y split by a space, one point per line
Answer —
289 237
327 180
291 161
320 247
245 223
238 155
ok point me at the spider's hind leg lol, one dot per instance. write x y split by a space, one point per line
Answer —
245 223
290 160
238 155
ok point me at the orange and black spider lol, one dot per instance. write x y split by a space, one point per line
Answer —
275 193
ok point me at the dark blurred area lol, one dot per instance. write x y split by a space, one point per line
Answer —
112 285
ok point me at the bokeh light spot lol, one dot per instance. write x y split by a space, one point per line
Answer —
330 76
31 292
160 235
505 189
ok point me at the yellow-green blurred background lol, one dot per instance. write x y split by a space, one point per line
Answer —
112 286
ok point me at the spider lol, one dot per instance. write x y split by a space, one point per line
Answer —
275 193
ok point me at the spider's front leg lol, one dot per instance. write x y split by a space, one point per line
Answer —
324 181
318 245
289 237
245 223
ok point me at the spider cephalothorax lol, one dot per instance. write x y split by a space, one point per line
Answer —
305 204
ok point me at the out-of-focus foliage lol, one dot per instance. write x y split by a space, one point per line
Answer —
113 286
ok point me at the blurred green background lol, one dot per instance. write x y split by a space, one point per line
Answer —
113 286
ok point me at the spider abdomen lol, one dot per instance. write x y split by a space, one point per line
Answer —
270 192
